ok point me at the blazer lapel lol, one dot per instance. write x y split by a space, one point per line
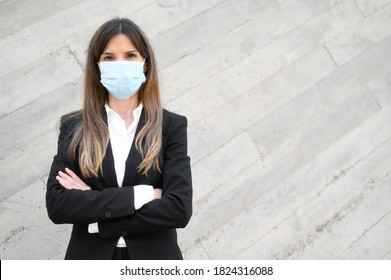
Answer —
134 157
108 168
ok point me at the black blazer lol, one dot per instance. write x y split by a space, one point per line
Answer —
150 232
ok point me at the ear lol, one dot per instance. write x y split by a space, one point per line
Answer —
145 66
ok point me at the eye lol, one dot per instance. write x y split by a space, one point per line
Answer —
130 56
108 58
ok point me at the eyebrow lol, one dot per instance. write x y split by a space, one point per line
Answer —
132 51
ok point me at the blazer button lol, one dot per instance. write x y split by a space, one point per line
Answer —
124 233
108 214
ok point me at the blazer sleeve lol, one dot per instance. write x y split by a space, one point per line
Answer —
174 209
76 206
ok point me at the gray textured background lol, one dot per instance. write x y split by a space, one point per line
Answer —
289 120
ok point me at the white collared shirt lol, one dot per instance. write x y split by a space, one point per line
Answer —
121 139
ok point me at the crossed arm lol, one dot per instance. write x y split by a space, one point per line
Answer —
142 193
70 181
72 200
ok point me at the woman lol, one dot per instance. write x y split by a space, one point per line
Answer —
121 175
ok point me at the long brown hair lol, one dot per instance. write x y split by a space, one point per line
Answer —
91 138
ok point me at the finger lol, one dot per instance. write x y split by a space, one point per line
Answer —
64 175
68 180
68 185
82 186
158 193
64 182
73 175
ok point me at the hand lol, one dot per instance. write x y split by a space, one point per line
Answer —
158 193
71 181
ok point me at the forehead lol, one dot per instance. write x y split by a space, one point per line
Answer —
119 42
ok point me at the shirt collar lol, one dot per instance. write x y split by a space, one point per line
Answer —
136 112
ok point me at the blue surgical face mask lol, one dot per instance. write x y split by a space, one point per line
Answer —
122 78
